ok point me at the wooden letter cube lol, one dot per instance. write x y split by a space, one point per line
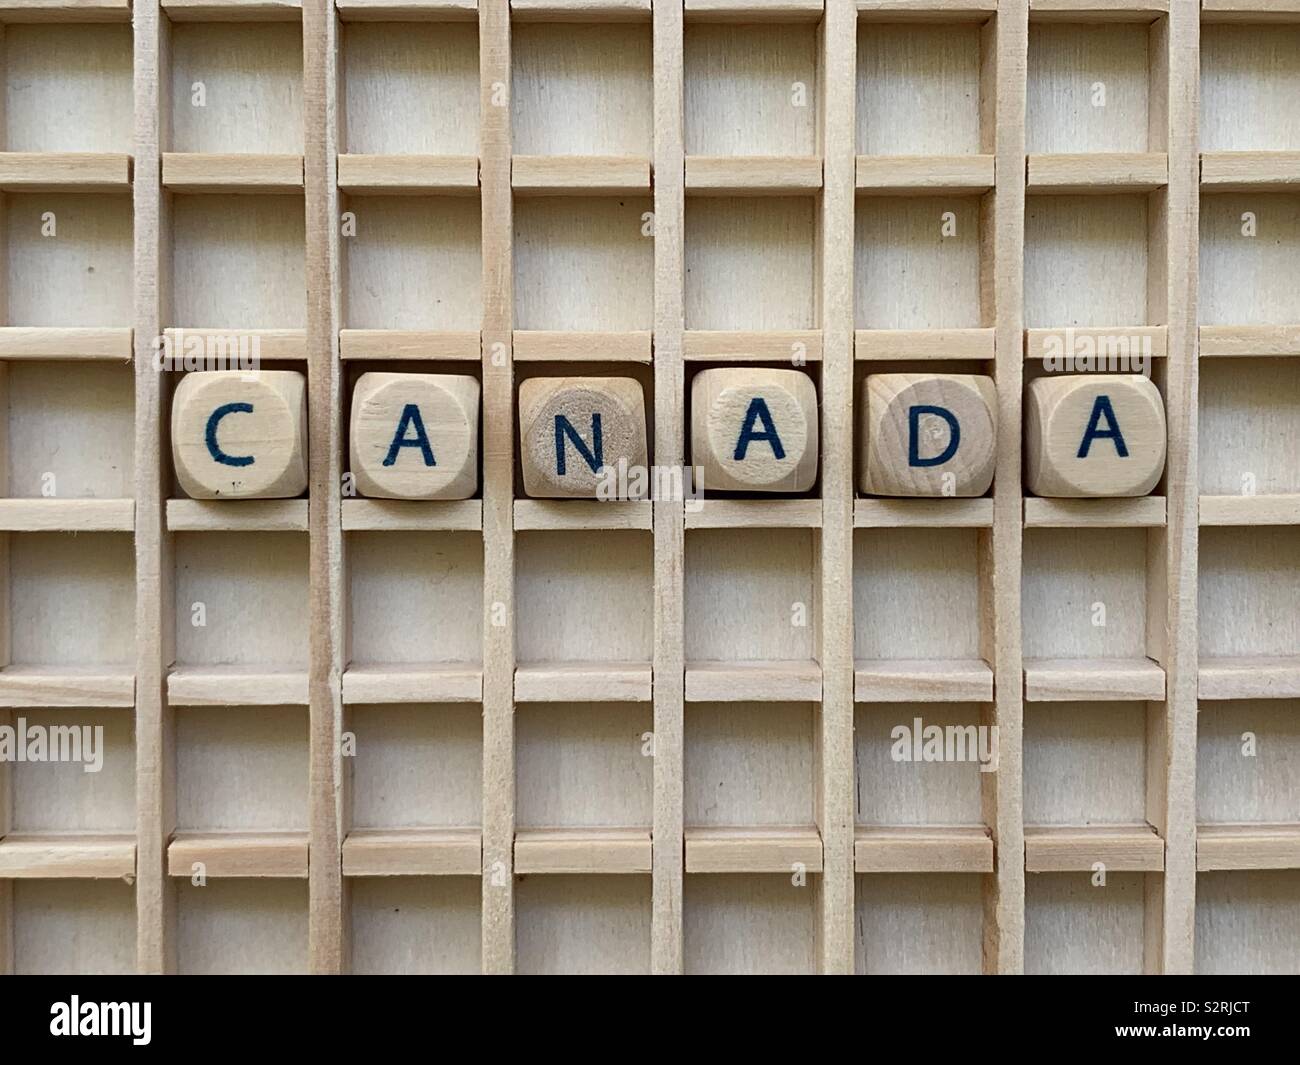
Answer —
572 428
928 434
1093 435
415 435
754 430
240 434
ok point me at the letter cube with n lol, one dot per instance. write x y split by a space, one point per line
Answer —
575 432
928 434
1093 435
754 430
415 435
240 434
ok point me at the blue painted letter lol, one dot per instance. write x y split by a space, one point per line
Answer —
1101 405
210 435
758 412
913 432
595 458
411 417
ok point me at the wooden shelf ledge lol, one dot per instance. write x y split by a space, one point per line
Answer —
758 849
412 515
1097 10
1282 509
1111 346
580 10
66 342
1260 677
395 175
410 344
922 513
236 686
753 175
1247 846
413 852
237 515
97 172
754 682
1139 512
48 686
926 10
1250 11
586 175
924 680
67 856
1057 680
753 10
1097 172
233 347
792 347
583 682
200 172
922 849
582 850
1076 848
754 513
239 854
875 345
65 11
547 514
1249 341
67 515
547 345
407 10
423 682
233 10
1250 171
914 175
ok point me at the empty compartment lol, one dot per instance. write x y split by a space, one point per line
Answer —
751 595
584 264
582 90
69 260
921 763
240 599
750 764
917 263
1095 87
919 924
585 765
750 89
67 88
410 88
407 925
1084 593
1249 432
1085 763
414 262
1249 598
1250 259
72 599
751 263
1248 760
61 927
1250 87
582 925
241 927
1086 261
919 90
584 597
241 769
238 262
85 780
743 924
1248 922
416 597
916 593
1076 926
417 766
236 88
71 430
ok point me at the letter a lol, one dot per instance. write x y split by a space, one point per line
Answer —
1101 405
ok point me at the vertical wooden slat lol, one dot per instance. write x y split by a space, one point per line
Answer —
498 490
669 515
6 717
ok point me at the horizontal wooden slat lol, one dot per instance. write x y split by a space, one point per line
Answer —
913 344
753 850
57 686
207 172
794 347
1254 677
583 682
923 513
580 10
922 849
582 850
1250 10
902 175
542 514
65 342
1249 341
540 345
1100 349
926 10
432 682
722 682
1102 172
62 856
754 513
588 175
1140 512
1077 848
413 852
229 348
1282 509
65 11
407 10
753 175
412 515
236 686
1098 10
395 174
237 515
238 854
233 10
753 10
1054 680
1247 846
67 515
404 344
929 680
1249 171
65 172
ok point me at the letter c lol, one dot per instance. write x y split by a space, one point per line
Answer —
210 434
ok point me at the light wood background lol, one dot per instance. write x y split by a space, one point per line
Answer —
506 735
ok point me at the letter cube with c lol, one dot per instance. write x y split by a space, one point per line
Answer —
240 434
754 430
575 431
1093 435
415 435
928 434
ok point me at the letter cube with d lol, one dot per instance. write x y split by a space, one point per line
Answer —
754 430
1093 435
240 434
415 435
928 434
575 431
